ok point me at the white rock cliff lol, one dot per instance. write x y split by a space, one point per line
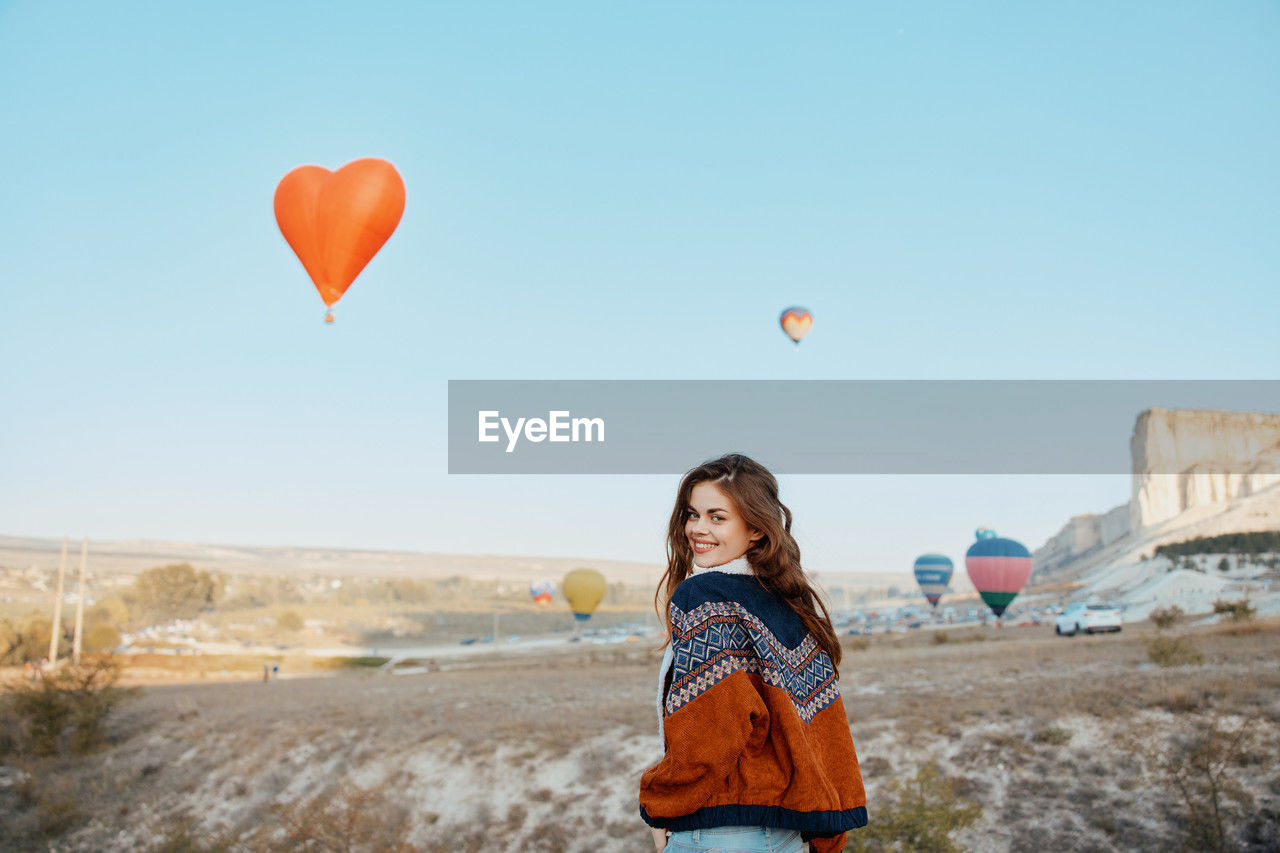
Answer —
1187 464
1188 458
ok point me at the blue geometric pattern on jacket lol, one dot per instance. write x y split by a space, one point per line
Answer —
722 624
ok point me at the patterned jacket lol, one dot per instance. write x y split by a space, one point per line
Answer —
753 726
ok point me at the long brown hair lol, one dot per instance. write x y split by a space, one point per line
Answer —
774 557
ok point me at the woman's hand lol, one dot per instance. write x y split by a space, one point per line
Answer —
659 838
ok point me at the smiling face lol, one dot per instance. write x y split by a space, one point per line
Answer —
714 527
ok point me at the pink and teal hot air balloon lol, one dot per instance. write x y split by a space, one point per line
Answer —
933 573
999 569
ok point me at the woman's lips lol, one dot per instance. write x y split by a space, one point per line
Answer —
702 547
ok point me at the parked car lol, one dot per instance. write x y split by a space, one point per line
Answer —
1089 618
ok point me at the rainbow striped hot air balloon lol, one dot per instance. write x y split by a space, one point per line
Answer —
999 569
933 573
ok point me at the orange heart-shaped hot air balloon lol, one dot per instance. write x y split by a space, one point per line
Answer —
337 221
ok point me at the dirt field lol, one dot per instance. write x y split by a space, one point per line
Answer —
1066 744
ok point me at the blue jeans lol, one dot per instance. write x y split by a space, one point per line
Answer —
739 839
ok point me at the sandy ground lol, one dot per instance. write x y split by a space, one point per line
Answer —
545 753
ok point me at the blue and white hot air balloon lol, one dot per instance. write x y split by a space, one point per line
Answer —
933 573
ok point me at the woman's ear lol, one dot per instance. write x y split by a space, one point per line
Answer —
754 536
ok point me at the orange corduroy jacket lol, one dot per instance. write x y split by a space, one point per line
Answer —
754 730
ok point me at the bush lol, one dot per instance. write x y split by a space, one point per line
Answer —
1053 736
1197 770
289 621
917 814
1166 617
1240 611
346 818
41 712
53 804
76 699
940 637
1173 651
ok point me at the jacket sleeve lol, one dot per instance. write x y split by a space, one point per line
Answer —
712 711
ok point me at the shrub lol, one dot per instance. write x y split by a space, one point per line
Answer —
289 621
1166 617
857 644
1173 651
347 818
1240 611
917 814
1224 565
53 806
1053 736
41 712
1197 771
76 699
940 637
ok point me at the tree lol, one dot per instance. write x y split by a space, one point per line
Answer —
113 611
102 637
176 591
289 621
28 639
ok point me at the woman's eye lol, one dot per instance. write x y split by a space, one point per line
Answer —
717 518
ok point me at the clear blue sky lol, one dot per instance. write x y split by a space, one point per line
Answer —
998 190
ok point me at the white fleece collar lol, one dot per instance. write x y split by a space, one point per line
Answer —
739 566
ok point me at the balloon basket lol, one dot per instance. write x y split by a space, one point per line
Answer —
328 317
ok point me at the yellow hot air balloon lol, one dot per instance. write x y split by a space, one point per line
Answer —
584 588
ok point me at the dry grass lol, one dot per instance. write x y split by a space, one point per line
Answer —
1061 742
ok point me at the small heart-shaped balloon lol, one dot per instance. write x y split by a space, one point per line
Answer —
337 221
796 322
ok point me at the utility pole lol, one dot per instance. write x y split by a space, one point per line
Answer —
79 635
57 607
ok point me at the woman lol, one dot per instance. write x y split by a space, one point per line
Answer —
758 751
